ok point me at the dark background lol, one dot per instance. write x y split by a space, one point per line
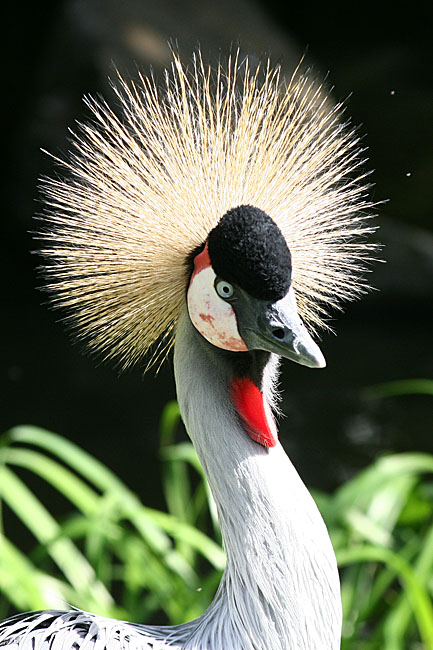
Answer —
379 59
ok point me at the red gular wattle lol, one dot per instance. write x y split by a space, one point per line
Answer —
248 400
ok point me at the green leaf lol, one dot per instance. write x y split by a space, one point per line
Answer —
43 526
67 483
418 596
401 387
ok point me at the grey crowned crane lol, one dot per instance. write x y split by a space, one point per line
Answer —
222 215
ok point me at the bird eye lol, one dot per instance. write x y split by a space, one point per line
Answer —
224 289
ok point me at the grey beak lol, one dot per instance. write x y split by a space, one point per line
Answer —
277 327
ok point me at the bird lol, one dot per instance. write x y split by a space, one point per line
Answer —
222 216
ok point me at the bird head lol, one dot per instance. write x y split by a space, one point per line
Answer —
228 189
240 296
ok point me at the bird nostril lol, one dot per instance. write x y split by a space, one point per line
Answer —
279 333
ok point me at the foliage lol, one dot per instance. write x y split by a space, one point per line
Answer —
159 566
110 543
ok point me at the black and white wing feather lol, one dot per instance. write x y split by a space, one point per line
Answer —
78 630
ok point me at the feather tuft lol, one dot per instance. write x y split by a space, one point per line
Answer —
142 190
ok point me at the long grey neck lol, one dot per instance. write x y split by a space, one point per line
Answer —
280 589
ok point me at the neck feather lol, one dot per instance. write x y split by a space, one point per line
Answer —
280 589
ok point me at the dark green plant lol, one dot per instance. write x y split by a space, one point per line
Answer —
109 543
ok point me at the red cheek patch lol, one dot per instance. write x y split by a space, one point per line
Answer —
207 318
248 400
212 316
201 261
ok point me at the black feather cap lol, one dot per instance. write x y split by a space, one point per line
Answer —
248 248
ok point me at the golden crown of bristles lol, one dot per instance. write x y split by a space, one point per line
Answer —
144 189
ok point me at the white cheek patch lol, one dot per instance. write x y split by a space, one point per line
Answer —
214 318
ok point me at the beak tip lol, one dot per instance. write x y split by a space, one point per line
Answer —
311 354
322 363
319 358
318 361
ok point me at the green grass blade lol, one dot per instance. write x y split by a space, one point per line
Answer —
401 387
67 483
360 490
19 579
169 422
82 462
418 596
45 529
186 533
399 618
